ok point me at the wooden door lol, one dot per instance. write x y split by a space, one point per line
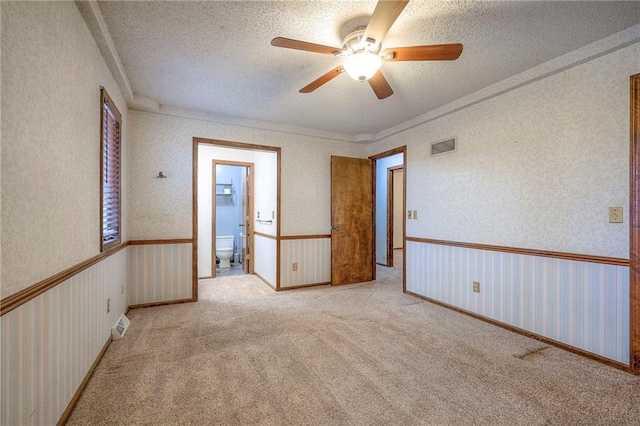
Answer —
352 257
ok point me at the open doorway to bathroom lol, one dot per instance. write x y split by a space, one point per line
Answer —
262 214
232 201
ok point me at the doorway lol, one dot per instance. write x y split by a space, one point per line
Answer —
232 201
390 207
395 215
261 237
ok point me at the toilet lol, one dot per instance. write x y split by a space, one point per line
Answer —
224 250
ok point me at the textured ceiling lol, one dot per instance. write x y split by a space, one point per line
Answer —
216 57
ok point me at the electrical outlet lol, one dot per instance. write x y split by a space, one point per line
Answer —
615 214
108 305
476 286
295 267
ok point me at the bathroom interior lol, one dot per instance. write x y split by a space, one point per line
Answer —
229 219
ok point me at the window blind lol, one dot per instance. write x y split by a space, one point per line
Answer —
110 172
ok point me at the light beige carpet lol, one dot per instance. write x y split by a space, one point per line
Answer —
360 354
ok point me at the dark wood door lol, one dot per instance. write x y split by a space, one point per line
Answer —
352 258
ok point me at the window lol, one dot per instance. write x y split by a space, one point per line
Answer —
110 124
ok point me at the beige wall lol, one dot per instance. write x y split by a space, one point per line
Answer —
536 167
51 77
162 142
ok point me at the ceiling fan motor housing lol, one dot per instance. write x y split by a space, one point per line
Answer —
362 59
356 43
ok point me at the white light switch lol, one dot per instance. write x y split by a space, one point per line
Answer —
415 214
408 214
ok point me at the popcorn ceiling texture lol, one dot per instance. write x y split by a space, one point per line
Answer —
51 77
537 167
216 56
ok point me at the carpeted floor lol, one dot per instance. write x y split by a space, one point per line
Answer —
358 354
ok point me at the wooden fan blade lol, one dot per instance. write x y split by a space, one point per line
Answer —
303 45
384 15
434 52
380 85
322 80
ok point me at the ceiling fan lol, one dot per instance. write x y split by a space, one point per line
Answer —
363 53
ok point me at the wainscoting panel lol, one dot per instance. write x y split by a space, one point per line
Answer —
159 272
581 304
50 343
264 255
313 257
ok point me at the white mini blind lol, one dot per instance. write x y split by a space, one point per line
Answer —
111 122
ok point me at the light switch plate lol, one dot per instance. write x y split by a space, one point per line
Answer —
615 214
415 214
408 214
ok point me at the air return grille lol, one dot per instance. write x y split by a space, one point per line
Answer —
118 330
445 146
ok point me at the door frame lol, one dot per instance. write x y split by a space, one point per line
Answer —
196 142
634 228
390 215
399 150
250 168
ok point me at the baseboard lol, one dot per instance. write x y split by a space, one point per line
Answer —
560 345
297 287
76 397
168 302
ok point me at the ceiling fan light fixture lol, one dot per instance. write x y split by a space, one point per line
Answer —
362 65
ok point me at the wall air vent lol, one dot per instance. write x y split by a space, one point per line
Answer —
444 146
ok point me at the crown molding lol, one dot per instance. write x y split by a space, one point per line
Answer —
95 22
92 16
579 56
253 124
